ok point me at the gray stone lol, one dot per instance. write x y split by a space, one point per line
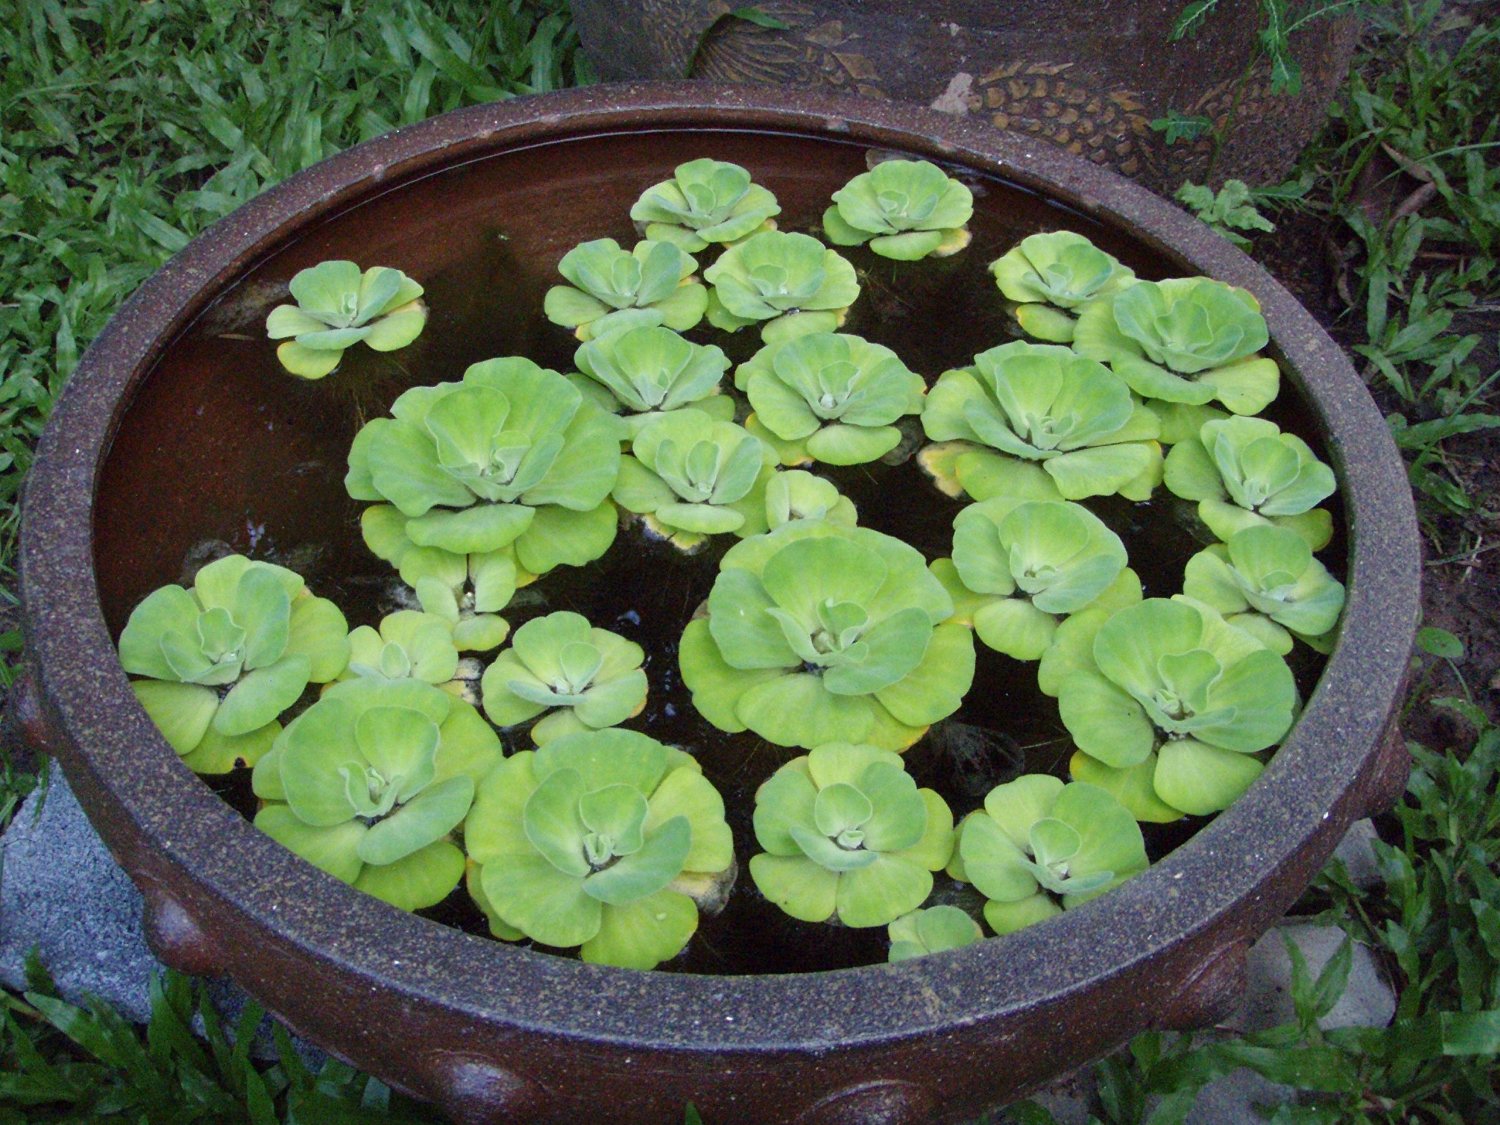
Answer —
1232 1100
1357 850
63 895
1368 1001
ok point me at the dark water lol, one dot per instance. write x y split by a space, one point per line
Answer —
255 461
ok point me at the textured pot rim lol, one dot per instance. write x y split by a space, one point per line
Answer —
1220 869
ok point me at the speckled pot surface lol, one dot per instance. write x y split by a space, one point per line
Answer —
159 442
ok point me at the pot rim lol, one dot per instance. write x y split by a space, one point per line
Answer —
1311 777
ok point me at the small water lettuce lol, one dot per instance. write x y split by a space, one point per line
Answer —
649 370
407 645
789 284
817 632
691 476
585 678
799 495
1265 580
1245 472
512 458
225 659
829 397
614 288
705 201
933 930
606 841
1039 847
1043 403
1019 567
905 209
337 307
1188 339
849 836
1168 688
1051 276
370 783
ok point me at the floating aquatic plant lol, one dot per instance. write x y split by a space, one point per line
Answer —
904 209
407 645
1051 276
614 288
933 930
789 284
339 306
706 201
799 495
649 371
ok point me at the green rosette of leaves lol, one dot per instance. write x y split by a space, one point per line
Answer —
582 677
904 209
706 201
1188 339
371 782
690 476
933 930
848 836
789 284
407 645
1051 276
1168 705
798 495
649 371
816 633
1266 581
510 468
614 288
1018 568
606 841
1044 404
224 660
338 307
1039 847
1244 472
829 397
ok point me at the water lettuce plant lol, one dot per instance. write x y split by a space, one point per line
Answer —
1265 580
1186 339
849 836
690 476
706 201
1019 567
605 841
829 397
1041 403
1245 472
1039 847
614 288
511 458
338 306
904 209
817 632
584 678
1168 704
789 284
1051 276
223 661
408 645
931 930
649 370
370 783
799 495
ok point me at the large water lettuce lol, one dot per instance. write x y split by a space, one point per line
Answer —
650 370
606 841
337 307
904 209
1168 704
1189 339
789 284
512 459
817 632
706 201
614 288
1245 472
370 783
1051 276
848 835
829 397
1042 403
225 659
1039 847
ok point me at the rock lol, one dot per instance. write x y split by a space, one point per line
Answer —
1231 1100
1357 850
62 894
1367 1001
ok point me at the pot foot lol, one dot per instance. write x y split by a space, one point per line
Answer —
176 939
475 1092
874 1103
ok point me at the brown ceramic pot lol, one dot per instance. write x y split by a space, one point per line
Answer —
177 431
1089 79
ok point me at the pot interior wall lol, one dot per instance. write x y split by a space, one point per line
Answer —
221 450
